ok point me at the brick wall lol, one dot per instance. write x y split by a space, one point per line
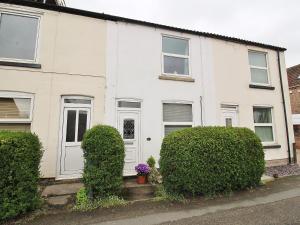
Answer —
295 100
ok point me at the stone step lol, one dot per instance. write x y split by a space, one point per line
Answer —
58 195
134 191
61 189
59 201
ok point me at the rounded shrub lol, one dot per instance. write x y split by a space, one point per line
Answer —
20 155
104 153
209 160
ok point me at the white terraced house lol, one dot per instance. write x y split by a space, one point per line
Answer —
64 70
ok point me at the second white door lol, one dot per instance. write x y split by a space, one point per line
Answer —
129 128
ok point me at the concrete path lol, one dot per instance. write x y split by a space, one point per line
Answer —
159 218
150 212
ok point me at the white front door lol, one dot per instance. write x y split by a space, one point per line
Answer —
229 118
129 128
76 120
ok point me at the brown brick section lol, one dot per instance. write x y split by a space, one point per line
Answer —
295 99
294 85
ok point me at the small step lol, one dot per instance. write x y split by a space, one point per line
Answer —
61 189
58 201
134 191
266 179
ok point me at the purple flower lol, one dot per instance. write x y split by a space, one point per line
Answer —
142 169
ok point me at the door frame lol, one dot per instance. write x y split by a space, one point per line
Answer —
131 110
64 105
229 108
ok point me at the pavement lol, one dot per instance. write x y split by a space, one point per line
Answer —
285 212
275 203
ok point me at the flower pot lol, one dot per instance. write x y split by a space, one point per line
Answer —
141 179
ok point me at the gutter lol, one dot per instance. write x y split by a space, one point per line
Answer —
284 108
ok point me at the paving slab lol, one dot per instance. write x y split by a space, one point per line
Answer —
61 189
266 179
58 200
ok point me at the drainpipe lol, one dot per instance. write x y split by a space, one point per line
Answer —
284 108
201 110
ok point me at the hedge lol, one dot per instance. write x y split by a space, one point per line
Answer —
210 160
20 155
104 153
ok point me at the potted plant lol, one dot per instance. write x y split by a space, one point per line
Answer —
142 172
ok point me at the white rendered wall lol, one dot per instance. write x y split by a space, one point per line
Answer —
133 66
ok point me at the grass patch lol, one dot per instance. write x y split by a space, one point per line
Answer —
84 204
162 195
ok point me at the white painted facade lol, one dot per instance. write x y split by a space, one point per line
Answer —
221 76
85 76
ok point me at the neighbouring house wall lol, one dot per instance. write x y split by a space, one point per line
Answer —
233 76
295 99
72 54
295 105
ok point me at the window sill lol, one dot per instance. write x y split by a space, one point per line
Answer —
176 78
257 86
20 64
271 146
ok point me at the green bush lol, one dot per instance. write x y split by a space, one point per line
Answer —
154 176
151 162
210 160
20 155
104 154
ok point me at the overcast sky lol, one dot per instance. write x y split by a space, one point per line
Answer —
275 22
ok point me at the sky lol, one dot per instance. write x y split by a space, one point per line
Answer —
275 22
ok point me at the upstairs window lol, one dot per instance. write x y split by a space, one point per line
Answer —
259 67
175 56
18 37
176 116
263 124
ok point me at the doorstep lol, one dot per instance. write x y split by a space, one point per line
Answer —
133 191
60 194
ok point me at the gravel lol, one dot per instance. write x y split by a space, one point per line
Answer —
283 171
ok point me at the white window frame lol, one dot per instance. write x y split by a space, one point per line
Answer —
176 123
8 94
175 55
260 67
265 143
30 15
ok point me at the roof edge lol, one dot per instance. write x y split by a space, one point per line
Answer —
293 66
138 22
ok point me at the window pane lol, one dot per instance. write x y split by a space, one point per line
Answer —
264 133
18 36
257 59
78 101
176 65
262 115
175 46
177 112
228 122
15 127
259 76
171 128
128 129
123 104
82 122
71 124
15 108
